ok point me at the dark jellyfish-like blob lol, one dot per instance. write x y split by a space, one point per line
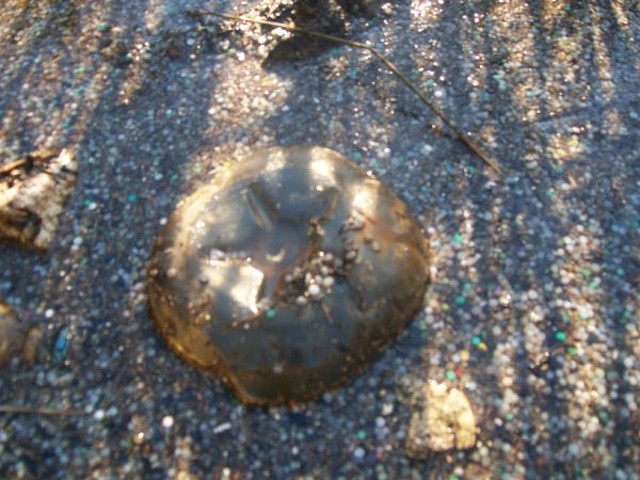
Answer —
287 274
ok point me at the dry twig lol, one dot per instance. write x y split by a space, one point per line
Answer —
464 137
39 410
13 165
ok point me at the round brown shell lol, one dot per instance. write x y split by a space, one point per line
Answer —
287 274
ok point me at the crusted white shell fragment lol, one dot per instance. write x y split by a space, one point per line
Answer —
30 208
443 421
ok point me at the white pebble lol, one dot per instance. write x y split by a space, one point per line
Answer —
314 290
507 382
167 421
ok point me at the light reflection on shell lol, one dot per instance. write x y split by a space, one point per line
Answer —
287 274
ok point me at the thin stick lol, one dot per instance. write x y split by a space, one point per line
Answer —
466 139
39 410
13 165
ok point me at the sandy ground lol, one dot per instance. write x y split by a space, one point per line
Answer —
545 258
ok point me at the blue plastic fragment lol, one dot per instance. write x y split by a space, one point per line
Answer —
61 346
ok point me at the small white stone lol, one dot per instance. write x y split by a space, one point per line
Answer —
168 421
328 282
387 9
314 290
445 422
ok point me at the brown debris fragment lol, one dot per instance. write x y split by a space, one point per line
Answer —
33 191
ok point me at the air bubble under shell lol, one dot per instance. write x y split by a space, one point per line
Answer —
287 274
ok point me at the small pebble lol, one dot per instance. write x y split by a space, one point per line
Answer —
328 282
314 290
167 421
